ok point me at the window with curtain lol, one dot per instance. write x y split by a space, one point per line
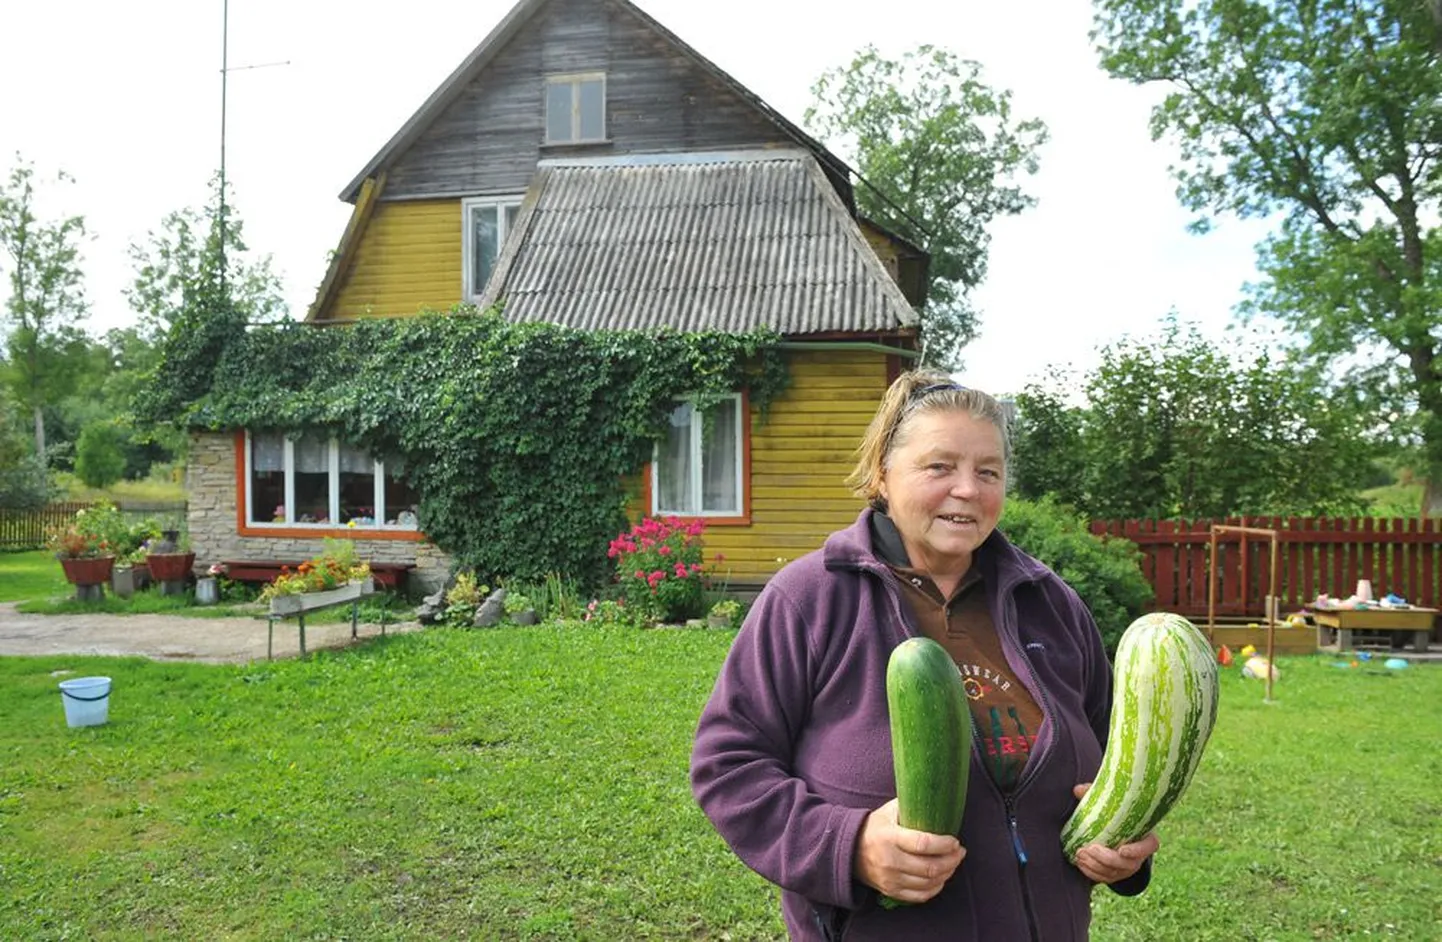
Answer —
697 471
315 480
267 476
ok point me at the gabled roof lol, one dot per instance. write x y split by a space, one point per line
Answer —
492 45
692 242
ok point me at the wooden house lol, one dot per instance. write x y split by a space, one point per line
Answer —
587 167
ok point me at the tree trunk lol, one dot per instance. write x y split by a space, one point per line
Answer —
1432 493
40 435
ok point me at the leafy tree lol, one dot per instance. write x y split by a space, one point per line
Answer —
1329 114
46 299
1174 427
23 479
938 150
1047 442
195 295
186 267
100 454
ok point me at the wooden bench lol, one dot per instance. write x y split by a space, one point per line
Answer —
390 575
1414 621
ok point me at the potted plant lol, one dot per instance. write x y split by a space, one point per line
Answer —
336 575
519 609
723 614
170 561
85 548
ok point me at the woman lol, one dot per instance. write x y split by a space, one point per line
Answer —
792 759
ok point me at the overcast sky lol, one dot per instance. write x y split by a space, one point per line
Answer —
125 97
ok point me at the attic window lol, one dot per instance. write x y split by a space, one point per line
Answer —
576 108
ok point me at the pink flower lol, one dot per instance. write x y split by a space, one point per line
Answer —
664 550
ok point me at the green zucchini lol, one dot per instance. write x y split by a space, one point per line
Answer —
930 736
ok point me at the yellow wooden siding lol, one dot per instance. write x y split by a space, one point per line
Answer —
408 259
800 457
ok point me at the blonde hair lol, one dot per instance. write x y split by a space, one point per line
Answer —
919 392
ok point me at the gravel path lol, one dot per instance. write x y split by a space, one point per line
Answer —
170 637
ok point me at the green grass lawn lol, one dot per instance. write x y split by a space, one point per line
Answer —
31 575
36 581
531 784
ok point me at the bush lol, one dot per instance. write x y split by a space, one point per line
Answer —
1105 572
658 565
100 455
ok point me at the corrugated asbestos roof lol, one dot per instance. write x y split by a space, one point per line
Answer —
694 242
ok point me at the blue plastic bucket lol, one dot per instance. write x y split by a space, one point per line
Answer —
87 700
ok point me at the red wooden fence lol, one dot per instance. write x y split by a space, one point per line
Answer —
1315 555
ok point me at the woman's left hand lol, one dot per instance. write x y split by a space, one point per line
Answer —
1104 864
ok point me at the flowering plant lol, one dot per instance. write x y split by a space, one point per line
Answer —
217 569
336 566
658 565
94 531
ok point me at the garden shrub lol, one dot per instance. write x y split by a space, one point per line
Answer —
659 568
1105 572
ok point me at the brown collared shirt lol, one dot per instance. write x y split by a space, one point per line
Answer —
1005 716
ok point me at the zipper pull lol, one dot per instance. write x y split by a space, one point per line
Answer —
1016 843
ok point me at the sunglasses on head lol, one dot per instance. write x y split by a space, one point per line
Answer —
924 391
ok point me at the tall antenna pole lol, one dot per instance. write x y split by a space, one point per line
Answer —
224 75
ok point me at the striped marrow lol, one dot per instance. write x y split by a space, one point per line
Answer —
1163 709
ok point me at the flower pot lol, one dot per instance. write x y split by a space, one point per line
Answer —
207 592
88 570
170 567
307 601
88 574
718 621
122 581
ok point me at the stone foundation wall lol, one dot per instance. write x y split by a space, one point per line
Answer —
210 481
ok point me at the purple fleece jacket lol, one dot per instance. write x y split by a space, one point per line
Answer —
793 750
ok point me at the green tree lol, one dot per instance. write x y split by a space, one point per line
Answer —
24 483
100 454
187 267
938 151
195 293
47 298
1328 115
1047 443
1174 426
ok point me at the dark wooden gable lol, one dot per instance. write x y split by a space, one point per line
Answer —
658 99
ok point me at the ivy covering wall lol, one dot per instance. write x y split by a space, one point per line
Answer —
519 437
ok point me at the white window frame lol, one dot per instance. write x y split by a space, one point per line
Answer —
471 292
574 79
697 471
333 492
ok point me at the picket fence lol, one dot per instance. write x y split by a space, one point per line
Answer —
1402 556
26 529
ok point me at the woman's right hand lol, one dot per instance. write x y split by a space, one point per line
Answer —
904 864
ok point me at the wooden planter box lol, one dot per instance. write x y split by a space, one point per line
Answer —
309 601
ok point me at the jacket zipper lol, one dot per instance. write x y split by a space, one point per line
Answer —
1008 635
1020 850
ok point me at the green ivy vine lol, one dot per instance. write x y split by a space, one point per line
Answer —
518 437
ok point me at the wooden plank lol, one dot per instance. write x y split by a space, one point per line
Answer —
1308 554
1164 571
1397 572
1428 592
1414 559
